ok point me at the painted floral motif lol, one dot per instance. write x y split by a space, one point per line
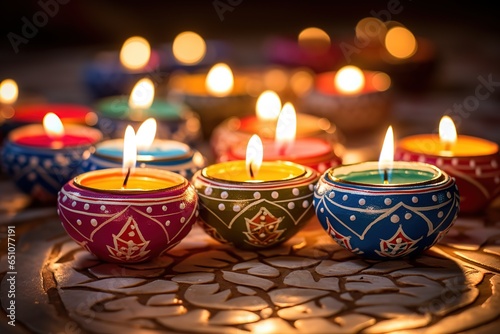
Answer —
129 244
263 228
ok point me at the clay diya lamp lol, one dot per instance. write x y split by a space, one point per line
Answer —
252 207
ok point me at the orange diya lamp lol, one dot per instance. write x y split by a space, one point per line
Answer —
472 161
215 95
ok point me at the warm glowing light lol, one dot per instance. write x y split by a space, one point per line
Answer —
129 150
370 29
400 42
146 134
314 39
268 106
135 53
220 80
53 126
254 155
386 159
276 79
301 82
349 79
8 91
286 127
189 48
447 132
381 81
142 95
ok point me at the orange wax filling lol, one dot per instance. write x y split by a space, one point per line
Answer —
143 179
195 84
465 146
235 171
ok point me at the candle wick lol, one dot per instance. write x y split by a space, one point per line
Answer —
386 176
251 170
126 179
447 146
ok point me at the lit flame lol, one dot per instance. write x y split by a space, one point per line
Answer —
286 127
349 79
142 94
53 126
400 42
254 156
386 159
314 38
189 48
381 81
447 132
220 80
129 150
146 134
135 53
8 91
268 106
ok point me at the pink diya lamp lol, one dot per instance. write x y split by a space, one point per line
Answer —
313 152
235 130
472 161
128 214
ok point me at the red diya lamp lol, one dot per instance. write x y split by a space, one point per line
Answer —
40 159
472 161
313 152
235 130
128 215
354 100
13 115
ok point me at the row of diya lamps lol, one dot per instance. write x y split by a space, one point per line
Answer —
379 46
134 198
299 69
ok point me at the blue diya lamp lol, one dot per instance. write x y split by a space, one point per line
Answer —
169 155
175 120
386 214
39 164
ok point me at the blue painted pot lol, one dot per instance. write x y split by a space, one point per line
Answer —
386 221
180 159
42 171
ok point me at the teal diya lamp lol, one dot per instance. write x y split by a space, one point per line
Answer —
251 204
175 120
152 152
387 209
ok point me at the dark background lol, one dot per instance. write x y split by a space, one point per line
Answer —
106 22
50 65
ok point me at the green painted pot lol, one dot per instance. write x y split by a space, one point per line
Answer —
255 213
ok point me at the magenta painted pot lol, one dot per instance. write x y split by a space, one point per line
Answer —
129 225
